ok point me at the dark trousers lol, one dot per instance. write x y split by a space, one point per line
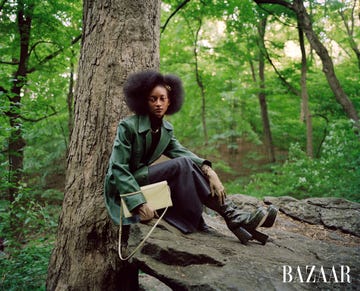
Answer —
189 189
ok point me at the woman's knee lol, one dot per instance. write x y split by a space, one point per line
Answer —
183 162
170 168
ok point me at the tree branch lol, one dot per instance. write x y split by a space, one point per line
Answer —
52 55
281 77
9 63
40 118
173 14
279 2
37 43
325 132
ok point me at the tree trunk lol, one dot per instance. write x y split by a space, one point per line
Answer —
262 96
305 110
16 140
201 85
119 37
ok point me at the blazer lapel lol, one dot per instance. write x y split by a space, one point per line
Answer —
165 137
145 127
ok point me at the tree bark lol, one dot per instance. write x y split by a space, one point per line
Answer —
70 94
119 37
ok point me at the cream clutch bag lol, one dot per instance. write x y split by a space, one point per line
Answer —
157 196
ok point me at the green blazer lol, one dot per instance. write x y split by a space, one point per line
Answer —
130 160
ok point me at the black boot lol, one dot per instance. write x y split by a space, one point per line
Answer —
203 227
242 224
271 216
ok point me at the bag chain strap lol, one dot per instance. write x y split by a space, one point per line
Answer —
144 239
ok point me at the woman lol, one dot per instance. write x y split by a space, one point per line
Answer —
142 138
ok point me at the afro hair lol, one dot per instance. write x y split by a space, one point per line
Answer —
139 85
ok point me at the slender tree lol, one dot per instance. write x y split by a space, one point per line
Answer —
200 82
16 141
306 114
119 37
305 24
269 147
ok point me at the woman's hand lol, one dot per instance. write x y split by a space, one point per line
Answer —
145 212
216 186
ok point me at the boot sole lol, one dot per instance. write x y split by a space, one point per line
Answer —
260 237
242 234
245 235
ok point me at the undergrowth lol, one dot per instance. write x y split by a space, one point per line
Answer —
336 173
27 233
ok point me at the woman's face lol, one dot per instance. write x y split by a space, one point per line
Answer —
158 101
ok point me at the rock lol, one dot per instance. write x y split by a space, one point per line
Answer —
299 238
335 213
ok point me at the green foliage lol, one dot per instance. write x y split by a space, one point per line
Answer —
336 173
25 268
29 213
28 226
227 59
232 111
45 152
42 104
29 219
